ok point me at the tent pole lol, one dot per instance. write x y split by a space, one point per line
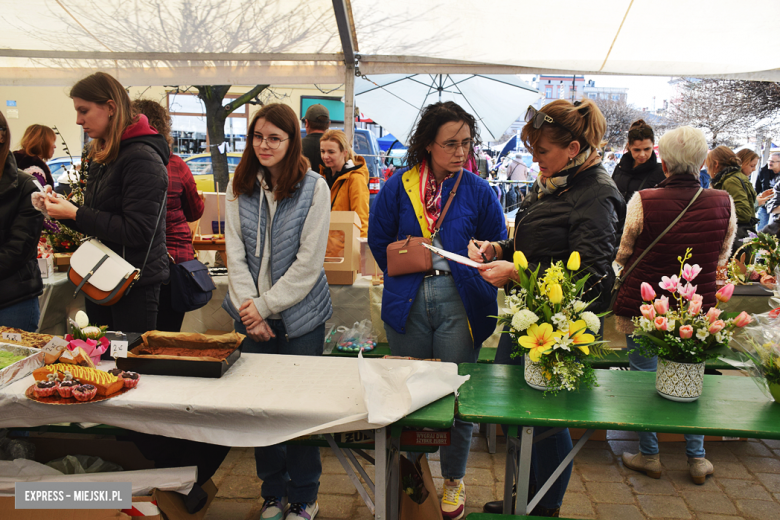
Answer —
349 102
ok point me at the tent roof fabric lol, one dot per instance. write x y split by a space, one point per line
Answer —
165 42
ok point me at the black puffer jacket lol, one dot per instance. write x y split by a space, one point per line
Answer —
20 229
585 216
123 199
630 180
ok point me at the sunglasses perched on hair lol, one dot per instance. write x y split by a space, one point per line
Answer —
537 118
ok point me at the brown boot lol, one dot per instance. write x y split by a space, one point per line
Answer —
699 469
650 465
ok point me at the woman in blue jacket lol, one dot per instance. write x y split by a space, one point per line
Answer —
444 313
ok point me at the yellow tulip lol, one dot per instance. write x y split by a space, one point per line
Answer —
520 260
555 293
574 262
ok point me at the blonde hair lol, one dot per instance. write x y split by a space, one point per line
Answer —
101 88
337 136
683 150
582 122
37 141
724 157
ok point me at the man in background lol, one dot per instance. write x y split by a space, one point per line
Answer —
766 180
316 121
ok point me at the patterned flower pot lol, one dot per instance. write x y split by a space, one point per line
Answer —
681 382
534 375
774 389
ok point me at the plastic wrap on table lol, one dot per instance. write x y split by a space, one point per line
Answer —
23 367
758 349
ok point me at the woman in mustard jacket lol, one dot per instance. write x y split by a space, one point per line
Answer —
347 177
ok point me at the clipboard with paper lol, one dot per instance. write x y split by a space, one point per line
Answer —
454 257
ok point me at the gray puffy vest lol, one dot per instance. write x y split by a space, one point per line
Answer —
315 308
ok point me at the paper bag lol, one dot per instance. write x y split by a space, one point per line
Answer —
417 486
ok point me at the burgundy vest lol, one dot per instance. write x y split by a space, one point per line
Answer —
703 228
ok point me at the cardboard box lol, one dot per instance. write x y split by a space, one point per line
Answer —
62 261
344 270
9 512
46 265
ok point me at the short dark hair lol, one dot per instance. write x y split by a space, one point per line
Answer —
431 119
320 124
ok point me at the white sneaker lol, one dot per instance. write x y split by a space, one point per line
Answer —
302 511
273 508
453 500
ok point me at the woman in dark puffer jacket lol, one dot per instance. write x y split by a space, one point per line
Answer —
126 188
20 228
573 206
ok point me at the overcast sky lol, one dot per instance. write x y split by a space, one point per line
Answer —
641 89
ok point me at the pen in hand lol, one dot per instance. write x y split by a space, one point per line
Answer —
484 258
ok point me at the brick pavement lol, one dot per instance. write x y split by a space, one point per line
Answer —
746 484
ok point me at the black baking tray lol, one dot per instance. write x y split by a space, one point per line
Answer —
177 367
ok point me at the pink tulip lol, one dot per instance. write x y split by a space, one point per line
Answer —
743 319
687 291
661 323
694 307
686 331
716 326
713 314
669 284
724 293
647 311
698 297
648 294
691 271
661 305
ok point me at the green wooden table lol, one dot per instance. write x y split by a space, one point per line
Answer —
498 394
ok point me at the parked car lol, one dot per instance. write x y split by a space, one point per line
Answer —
200 165
63 171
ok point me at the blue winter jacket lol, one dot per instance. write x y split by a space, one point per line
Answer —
475 212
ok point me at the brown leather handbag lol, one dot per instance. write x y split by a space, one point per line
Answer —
409 255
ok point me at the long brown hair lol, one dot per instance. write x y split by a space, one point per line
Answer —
6 146
37 141
582 122
101 88
158 117
746 156
294 165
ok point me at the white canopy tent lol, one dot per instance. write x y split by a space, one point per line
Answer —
178 42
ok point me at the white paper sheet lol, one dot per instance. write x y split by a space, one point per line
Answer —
454 257
143 481
394 388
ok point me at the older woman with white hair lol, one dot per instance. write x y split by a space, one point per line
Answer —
707 227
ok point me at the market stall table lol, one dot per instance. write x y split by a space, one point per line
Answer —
254 404
497 394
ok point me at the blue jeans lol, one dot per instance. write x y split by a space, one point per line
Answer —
23 315
437 328
546 454
763 217
648 441
287 471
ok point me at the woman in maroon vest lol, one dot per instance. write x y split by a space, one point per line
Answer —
708 228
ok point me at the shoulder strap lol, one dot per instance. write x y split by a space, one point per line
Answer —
644 181
447 206
156 225
659 237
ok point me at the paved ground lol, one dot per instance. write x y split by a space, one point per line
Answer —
746 484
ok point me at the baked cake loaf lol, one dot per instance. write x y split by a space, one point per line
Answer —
105 383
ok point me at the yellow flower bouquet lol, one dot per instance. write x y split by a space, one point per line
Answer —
549 323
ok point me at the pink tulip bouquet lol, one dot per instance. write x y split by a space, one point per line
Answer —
678 330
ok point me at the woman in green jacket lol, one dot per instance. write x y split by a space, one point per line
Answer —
730 178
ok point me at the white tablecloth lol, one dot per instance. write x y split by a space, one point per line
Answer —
262 400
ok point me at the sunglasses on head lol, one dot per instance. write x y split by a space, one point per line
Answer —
537 118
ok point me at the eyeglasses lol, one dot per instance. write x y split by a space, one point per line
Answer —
537 118
273 142
451 147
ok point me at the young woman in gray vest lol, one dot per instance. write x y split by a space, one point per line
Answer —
277 214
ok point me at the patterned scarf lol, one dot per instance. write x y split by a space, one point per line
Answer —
561 179
430 195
